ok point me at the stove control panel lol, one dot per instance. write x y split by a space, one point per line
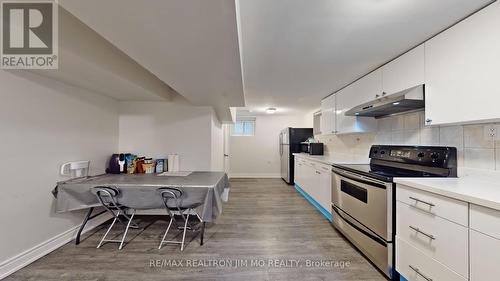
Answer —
434 156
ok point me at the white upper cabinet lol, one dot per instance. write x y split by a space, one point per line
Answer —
404 72
462 71
364 90
328 123
346 100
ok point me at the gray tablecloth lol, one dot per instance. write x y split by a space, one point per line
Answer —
138 191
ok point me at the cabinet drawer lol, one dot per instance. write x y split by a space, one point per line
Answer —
484 257
415 265
450 209
438 238
485 220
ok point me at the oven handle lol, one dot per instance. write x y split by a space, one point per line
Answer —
359 179
373 237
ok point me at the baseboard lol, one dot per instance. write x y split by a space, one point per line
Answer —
311 200
252 175
25 258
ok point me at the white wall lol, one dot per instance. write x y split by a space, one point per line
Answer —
44 123
258 156
474 151
217 135
156 129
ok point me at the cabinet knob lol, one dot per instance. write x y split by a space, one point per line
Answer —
384 93
428 120
377 96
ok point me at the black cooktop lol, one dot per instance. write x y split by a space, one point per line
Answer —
390 161
382 173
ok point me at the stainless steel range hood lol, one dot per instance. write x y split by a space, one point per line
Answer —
409 99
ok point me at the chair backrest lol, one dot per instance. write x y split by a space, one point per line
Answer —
171 196
106 195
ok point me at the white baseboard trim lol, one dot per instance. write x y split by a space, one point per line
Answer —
25 258
251 175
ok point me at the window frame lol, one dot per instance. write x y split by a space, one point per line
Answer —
244 121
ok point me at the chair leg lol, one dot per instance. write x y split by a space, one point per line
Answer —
109 229
126 230
166 232
184 232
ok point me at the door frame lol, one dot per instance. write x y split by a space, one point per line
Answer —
226 152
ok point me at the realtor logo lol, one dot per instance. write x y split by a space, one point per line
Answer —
29 35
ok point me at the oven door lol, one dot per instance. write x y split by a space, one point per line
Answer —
362 211
366 200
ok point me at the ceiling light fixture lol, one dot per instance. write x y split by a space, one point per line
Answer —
271 110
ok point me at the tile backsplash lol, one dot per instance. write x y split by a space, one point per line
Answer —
475 150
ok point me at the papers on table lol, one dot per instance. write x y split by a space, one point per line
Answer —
175 174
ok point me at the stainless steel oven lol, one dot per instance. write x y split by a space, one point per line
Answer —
362 211
363 195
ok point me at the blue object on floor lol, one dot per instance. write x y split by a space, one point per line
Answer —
325 213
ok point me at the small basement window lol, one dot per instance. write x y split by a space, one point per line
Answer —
243 128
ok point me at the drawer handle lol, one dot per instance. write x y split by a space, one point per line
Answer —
423 233
420 273
421 201
318 173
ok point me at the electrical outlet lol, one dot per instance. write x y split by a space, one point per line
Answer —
497 130
491 132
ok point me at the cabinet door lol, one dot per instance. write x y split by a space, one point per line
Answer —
404 72
364 90
308 177
351 124
324 193
484 257
327 123
299 170
461 70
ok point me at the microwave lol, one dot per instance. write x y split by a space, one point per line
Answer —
314 148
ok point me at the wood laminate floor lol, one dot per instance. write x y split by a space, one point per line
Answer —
267 231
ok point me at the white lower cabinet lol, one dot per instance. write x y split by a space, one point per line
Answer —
484 257
484 244
414 265
442 242
315 179
438 238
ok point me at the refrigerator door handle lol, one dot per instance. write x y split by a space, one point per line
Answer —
280 144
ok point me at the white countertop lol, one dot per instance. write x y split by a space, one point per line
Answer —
480 187
330 160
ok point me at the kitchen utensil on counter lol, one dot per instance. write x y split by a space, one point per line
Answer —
114 165
173 163
160 164
130 163
149 168
138 165
75 169
121 162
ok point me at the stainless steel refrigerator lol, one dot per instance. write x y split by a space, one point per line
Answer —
290 139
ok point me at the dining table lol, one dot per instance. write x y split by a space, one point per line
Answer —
138 191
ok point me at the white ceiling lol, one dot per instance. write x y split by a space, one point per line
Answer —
192 45
293 52
296 52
